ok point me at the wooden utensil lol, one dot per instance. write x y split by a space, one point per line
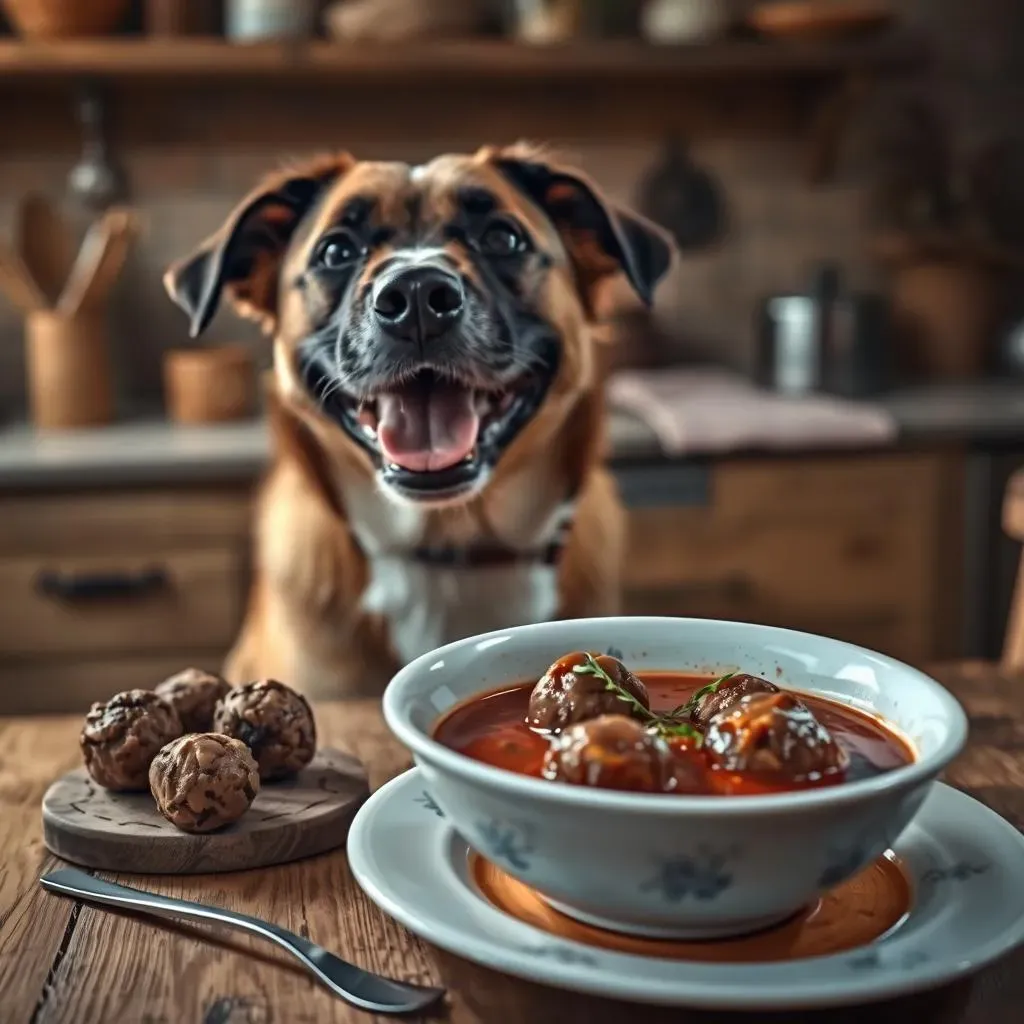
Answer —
288 820
67 352
17 284
46 245
99 262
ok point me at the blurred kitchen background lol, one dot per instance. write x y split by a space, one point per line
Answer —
814 428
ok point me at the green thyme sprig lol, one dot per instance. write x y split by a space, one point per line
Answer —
691 705
664 725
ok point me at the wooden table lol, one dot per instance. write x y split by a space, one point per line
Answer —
65 962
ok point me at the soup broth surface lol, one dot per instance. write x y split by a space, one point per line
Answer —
492 728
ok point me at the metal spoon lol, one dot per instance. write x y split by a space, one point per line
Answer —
360 988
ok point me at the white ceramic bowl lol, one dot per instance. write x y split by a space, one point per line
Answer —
665 865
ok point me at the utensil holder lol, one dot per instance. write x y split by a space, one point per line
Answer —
69 370
209 385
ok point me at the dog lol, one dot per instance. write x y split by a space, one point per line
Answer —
437 404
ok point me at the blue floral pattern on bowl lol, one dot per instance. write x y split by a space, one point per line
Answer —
962 871
871 959
510 842
427 801
701 875
844 863
562 954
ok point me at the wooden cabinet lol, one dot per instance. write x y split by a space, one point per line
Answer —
104 591
866 549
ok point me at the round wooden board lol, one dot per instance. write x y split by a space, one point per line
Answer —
294 818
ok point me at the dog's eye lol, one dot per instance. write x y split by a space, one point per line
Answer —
336 251
502 239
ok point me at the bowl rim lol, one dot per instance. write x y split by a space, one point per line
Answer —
424 746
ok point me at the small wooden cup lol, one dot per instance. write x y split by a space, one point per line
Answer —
209 385
69 370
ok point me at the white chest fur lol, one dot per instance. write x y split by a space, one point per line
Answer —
427 605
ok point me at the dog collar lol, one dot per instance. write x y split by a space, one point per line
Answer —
481 556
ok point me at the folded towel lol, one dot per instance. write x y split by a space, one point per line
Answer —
695 411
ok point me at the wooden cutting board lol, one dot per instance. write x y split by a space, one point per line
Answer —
294 818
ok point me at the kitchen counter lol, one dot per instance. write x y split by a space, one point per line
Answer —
156 452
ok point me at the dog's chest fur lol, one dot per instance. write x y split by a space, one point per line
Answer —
426 605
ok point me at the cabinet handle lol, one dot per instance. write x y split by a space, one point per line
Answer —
92 586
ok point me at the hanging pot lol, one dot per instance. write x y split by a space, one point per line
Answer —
683 198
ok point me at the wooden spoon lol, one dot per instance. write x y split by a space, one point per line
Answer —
46 245
99 262
17 283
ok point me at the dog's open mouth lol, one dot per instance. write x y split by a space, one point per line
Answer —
434 435
430 424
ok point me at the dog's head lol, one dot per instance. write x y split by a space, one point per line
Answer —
431 312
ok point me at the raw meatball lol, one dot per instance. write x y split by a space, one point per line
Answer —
194 694
773 734
122 736
563 697
203 781
725 694
611 752
273 721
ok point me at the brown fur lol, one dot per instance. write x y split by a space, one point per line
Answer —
304 624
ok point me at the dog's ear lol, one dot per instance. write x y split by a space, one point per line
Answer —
601 237
244 256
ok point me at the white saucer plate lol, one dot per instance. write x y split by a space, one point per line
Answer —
966 866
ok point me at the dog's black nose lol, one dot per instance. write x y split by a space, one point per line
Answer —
418 303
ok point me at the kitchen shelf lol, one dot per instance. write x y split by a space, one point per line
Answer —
463 61
591 87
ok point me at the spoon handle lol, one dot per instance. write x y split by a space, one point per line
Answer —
356 986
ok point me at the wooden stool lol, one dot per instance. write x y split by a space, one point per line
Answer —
1013 525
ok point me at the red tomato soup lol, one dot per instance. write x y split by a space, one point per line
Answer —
759 740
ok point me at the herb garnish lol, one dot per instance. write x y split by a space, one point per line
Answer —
663 725
691 705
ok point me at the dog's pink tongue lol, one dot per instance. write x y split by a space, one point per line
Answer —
427 428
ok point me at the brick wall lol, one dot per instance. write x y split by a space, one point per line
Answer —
189 161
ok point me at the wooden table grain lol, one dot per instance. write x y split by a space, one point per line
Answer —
65 962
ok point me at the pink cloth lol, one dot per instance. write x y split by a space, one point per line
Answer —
694 411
